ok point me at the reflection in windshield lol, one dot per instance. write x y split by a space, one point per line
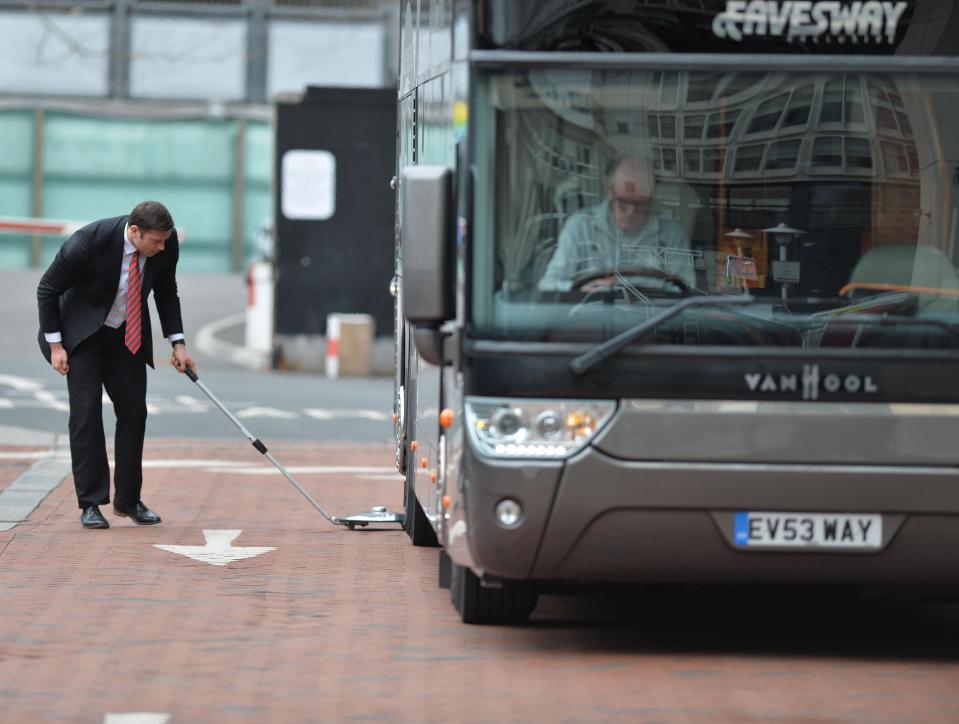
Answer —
604 197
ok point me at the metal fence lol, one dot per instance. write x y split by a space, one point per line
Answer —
215 176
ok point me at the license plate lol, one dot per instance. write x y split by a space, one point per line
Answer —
808 530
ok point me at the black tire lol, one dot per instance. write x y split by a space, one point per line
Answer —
415 523
511 603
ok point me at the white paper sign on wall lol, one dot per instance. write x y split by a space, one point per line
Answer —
309 185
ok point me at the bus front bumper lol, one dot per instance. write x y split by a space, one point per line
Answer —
599 518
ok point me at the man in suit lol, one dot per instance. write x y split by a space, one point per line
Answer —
95 329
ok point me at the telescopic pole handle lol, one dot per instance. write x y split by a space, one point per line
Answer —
258 444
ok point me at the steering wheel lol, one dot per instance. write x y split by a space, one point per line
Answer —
642 271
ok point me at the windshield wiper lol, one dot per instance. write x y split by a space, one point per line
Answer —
585 362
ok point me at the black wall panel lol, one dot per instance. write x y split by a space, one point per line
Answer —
344 263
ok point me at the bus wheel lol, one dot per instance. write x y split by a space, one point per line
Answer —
511 602
415 523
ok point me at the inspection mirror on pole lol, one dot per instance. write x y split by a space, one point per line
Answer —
377 514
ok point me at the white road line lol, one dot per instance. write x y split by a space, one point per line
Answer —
190 463
268 412
32 454
184 404
328 414
191 403
49 399
23 384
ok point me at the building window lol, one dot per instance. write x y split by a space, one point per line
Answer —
827 151
721 124
799 106
842 102
858 154
702 85
667 127
894 158
882 109
693 127
669 91
713 160
669 160
767 114
652 124
749 158
783 155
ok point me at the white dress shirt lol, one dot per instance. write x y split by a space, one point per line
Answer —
118 312
590 241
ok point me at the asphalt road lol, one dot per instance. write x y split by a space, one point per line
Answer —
274 405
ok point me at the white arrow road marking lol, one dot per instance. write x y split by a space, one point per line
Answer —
137 717
267 412
218 551
5 403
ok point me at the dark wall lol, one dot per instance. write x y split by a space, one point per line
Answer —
344 263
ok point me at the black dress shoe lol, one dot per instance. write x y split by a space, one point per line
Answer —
141 515
91 517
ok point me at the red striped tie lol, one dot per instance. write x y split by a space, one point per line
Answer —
134 319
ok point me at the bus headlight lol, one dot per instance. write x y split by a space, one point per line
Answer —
553 429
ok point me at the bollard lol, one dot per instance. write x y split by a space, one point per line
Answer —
259 307
349 345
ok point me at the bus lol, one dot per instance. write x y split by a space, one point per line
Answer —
676 293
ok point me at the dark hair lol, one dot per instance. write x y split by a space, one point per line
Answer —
151 215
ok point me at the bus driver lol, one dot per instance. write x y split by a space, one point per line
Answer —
619 234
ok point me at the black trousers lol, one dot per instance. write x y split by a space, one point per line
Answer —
102 361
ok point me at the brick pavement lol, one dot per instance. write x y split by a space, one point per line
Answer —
336 625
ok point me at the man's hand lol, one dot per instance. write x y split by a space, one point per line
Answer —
58 358
600 283
181 359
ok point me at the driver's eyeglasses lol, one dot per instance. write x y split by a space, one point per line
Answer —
627 205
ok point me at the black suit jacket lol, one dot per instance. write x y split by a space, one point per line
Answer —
76 293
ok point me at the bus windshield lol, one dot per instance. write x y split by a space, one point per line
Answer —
603 197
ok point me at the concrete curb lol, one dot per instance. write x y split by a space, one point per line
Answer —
302 353
23 495
28 437
209 344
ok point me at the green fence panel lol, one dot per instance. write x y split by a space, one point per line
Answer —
95 167
16 184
